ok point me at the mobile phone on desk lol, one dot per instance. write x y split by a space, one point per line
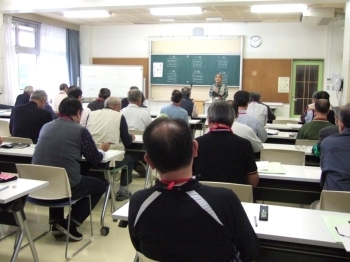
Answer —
264 213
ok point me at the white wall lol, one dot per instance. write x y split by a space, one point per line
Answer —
279 40
284 40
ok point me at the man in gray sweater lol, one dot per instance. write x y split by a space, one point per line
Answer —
62 143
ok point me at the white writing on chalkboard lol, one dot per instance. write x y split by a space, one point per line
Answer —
116 78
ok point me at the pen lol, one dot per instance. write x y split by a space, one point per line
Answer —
4 188
256 222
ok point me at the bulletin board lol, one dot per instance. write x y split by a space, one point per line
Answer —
261 75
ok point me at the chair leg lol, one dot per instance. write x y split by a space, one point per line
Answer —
136 258
70 257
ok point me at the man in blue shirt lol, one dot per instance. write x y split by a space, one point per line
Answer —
174 110
335 155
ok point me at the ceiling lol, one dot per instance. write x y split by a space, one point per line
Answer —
228 11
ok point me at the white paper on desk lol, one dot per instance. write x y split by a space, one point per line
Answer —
274 168
262 165
294 125
345 230
272 131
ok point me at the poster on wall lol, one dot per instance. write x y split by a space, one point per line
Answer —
283 85
157 69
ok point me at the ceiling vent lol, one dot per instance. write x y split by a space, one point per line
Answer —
318 16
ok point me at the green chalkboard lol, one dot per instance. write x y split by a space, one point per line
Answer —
195 69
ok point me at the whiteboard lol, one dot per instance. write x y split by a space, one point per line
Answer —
117 78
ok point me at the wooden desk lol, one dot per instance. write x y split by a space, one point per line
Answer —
300 185
284 127
5 114
282 138
141 149
13 193
290 234
10 157
306 149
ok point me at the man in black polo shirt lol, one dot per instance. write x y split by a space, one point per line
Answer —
222 155
179 219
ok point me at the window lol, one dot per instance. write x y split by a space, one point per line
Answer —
25 35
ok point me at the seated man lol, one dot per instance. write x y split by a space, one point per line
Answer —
60 96
174 110
270 115
256 109
100 101
77 93
27 120
325 132
312 129
335 153
23 99
179 219
187 102
136 117
242 99
61 144
309 114
222 155
124 101
245 131
108 124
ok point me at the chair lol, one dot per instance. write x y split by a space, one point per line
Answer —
243 192
337 201
57 194
287 157
14 139
285 121
142 258
4 128
305 142
136 132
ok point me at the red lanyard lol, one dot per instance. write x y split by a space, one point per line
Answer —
171 183
219 127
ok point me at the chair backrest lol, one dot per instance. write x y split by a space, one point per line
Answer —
143 258
136 132
4 128
58 187
287 157
305 142
14 139
285 121
338 201
243 192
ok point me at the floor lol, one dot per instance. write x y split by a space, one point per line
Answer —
116 246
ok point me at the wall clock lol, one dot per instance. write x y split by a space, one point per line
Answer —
255 41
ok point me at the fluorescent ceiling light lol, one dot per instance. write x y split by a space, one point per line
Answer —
296 8
213 19
170 20
86 14
176 11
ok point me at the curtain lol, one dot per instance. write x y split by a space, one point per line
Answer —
73 56
52 62
11 85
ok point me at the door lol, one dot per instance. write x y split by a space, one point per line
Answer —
307 77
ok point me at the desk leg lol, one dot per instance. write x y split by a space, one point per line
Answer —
148 176
24 228
108 192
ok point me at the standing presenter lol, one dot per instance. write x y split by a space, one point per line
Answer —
218 91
